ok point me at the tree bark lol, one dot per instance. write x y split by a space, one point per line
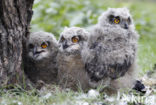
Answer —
15 17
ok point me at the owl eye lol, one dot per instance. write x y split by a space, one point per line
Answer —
62 39
111 18
116 21
44 45
75 39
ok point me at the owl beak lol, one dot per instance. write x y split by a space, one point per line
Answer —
65 45
126 25
35 51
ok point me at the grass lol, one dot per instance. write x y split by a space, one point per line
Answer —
53 16
61 97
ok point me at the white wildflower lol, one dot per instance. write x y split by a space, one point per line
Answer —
47 95
93 93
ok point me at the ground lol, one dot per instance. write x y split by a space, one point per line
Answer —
53 16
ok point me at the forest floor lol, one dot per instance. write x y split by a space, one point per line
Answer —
53 95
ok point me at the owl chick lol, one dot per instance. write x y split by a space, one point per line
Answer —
42 49
71 69
110 56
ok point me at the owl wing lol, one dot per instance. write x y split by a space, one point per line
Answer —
99 69
104 62
93 64
30 70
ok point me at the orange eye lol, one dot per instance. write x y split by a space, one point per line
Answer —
44 45
116 21
75 39
62 39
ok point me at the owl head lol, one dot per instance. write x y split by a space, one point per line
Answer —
72 39
118 17
41 45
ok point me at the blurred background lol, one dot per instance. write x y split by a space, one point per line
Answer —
53 15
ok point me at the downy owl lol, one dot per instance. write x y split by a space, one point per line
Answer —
110 56
71 71
42 49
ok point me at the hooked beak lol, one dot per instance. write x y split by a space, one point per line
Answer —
35 51
126 26
65 45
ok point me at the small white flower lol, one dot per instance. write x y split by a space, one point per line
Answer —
17 102
47 95
82 103
85 103
93 93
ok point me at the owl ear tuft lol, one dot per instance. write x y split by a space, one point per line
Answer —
125 9
110 10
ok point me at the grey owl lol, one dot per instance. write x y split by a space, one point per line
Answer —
71 71
111 51
42 49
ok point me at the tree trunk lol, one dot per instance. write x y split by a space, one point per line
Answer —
15 17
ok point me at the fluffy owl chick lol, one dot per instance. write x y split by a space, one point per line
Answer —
42 48
110 57
71 71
